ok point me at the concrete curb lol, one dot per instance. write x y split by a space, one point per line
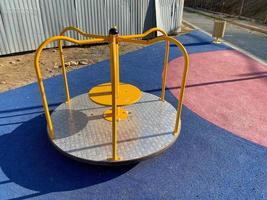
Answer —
187 23
227 43
254 28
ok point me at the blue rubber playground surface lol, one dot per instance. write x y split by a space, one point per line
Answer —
206 162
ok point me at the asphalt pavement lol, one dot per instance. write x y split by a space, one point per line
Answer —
251 41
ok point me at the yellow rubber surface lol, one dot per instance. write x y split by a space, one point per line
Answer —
128 94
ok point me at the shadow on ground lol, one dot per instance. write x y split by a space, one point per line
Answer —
29 160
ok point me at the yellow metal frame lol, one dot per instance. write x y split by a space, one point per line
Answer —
113 40
60 46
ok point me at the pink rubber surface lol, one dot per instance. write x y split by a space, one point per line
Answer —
226 88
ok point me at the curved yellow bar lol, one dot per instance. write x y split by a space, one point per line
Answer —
145 42
186 65
151 41
60 45
72 28
123 37
181 96
39 75
144 34
164 74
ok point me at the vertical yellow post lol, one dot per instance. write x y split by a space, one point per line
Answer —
42 91
179 110
113 32
181 96
39 75
118 66
164 75
64 71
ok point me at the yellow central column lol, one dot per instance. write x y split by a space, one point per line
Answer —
127 94
114 71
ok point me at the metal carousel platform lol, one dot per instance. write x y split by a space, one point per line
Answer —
114 123
81 131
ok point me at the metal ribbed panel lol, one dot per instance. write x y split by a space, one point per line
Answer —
125 14
57 14
147 132
169 15
21 25
24 24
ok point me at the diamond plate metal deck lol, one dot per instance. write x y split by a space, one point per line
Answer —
81 131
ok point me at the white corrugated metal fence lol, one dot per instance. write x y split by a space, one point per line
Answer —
24 24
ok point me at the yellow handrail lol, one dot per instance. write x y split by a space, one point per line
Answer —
72 28
122 37
164 74
151 41
60 45
143 34
181 96
186 64
39 75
